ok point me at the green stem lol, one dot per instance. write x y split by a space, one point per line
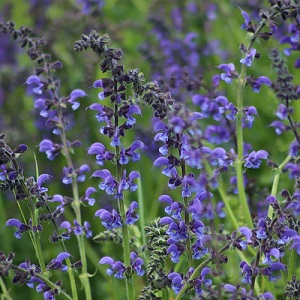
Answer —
5 295
76 206
291 266
240 149
275 183
141 212
239 132
121 205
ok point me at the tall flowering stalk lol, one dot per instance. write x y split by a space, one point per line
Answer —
115 128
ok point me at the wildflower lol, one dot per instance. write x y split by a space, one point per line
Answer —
109 183
216 134
101 153
136 264
229 74
294 170
282 112
175 251
86 197
131 214
36 81
253 160
176 282
174 209
249 58
247 233
56 264
109 220
276 266
51 149
279 127
73 96
249 113
256 83
21 226
117 268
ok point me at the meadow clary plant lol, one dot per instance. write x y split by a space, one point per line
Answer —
210 241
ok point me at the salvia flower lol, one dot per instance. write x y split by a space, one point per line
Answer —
256 83
249 113
247 233
253 160
117 268
229 74
131 215
109 183
102 154
51 149
35 81
21 226
136 264
73 96
56 264
176 282
174 209
109 220
86 197
275 267
248 59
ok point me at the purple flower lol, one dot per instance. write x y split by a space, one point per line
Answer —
247 233
282 112
101 153
177 282
294 170
229 74
253 161
294 149
35 81
226 108
256 84
136 264
51 149
109 220
249 58
131 215
21 226
127 183
133 109
80 172
117 268
249 113
174 209
56 264
86 197
261 233
198 248
247 272
73 96
109 183
275 267
279 127
247 21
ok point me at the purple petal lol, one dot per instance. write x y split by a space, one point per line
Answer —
42 178
165 198
106 260
77 94
33 80
98 84
13 222
62 256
